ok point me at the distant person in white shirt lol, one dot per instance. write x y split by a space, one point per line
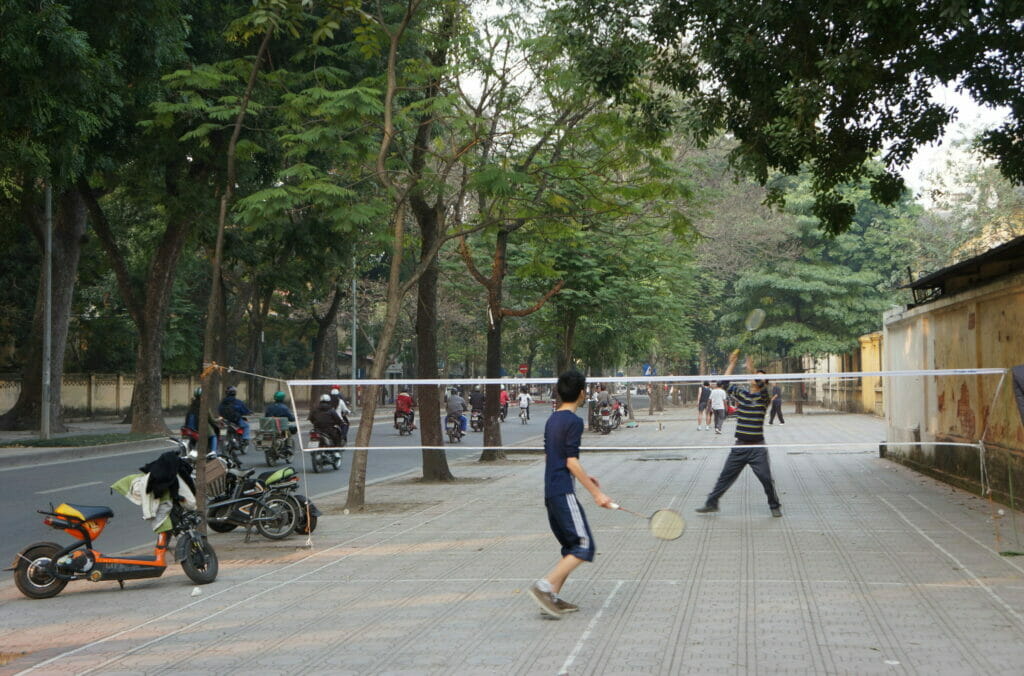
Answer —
718 397
525 400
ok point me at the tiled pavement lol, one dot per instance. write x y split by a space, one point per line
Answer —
872 569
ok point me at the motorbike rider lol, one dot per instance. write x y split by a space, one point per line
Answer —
456 407
192 418
342 408
234 411
503 401
326 420
279 409
405 405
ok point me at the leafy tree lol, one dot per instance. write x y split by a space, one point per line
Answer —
830 85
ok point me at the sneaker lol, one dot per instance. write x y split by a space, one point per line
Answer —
707 509
776 512
565 606
718 431
546 601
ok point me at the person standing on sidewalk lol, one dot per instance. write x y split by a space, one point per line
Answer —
704 406
776 406
562 434
717 403
749 450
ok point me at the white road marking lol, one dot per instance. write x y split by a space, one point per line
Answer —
68 488
590 627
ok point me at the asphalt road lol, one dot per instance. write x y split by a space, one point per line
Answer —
86 481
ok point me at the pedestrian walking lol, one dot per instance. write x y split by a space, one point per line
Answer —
704 406
717 400
776 408
749 449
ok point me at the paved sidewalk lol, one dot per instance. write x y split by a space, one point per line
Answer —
873 569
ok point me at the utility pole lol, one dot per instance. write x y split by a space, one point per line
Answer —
44 404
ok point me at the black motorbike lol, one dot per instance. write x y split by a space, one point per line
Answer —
403 422
453 428
324 439
251 503
476 420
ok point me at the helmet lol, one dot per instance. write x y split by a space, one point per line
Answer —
325 397
455 390
231 390
278 396
334 390
198 392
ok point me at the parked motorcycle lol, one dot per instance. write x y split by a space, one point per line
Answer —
271 485
43 569
453 428
610 418
253 505
321 459
476 420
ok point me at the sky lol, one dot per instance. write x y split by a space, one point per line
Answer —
970 120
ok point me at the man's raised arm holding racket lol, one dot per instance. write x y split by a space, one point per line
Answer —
749 448
562 435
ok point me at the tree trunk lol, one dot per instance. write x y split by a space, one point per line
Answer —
565 355
435 461
494 450
68 233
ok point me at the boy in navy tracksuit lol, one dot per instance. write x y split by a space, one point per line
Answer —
562 435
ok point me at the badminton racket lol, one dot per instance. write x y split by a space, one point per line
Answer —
664 524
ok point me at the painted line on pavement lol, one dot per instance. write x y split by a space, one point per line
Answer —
231 606
68 488
590 627
988 590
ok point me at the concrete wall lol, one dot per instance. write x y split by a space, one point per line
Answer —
980 328
107 394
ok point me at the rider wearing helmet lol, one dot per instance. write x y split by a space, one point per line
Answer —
456 405
192 418
326 420
342 408
279 409
405 405
476 399
233 410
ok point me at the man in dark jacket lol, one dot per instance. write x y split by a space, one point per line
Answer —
326 421
233 410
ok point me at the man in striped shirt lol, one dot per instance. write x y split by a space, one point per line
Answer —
753 403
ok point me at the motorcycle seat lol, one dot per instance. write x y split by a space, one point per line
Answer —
92 512
242 473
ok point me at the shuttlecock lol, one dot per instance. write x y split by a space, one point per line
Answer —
196 591
345 512
1000 512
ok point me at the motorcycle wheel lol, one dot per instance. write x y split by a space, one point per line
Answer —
336 459
315 459
200 562
30 575
270 456
307 520
223 527
276 518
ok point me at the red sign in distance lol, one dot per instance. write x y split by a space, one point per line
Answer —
524 368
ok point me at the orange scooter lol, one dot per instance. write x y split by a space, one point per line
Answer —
43 569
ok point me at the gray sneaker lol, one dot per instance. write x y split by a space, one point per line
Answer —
776 512
707 509
546 600
565 606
